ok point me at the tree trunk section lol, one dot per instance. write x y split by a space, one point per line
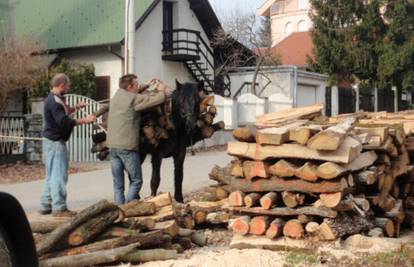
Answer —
331 138
150 255
347 152
330 170
168 227
90 229
259 225
244 134
51 239
241 225
307 172
91 259
330 200
236 199
387 225
237 169
292 200
269 200
252 199
283 168
293 229
252 169
308 210
344 225
138 208
275 228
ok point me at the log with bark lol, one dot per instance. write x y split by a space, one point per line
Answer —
91 259
344 225
385 224
145 240
138 208
293 229
255 169
276 136
331 138
347 151
241 225
291 200
307 210
168 227
307 172
269 200
93 227
259 225
63 230
237 169
275 228
244 134
330 170
283 168
252 199
150 255
236 199
279 118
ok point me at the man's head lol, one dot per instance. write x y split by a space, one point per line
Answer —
129 82
61 83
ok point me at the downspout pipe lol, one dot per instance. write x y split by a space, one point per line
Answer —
129 36
295 87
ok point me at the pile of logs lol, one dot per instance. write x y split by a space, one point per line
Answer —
157 125
140 231
297 173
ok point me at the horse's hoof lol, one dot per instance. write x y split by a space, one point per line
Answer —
179 199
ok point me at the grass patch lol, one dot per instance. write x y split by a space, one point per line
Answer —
301 259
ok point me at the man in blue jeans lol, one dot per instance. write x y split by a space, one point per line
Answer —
123 133
57 129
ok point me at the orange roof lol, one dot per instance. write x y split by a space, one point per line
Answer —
294 49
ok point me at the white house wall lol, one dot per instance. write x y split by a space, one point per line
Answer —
148 40
105 63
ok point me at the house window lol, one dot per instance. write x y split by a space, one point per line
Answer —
103 87
167 25
302 26
288 28
303 4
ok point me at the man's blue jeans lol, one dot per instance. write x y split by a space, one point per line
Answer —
56 163
128 160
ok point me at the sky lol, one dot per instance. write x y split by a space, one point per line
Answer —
221 6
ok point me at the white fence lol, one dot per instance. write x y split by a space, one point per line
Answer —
11 127
80 142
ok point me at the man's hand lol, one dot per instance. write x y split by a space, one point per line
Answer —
162 87
153 81
89 119
81 105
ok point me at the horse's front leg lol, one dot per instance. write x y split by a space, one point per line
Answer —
179 157
156 160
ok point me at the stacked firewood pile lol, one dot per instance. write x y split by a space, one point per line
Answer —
157 125
140 231
297 173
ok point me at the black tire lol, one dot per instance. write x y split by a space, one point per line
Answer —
6 256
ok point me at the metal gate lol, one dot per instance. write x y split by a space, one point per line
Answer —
80 142
12 149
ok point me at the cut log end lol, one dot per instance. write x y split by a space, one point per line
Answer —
293 229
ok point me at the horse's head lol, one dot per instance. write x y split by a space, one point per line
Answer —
186 105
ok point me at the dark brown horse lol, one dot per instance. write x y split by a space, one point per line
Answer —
185 113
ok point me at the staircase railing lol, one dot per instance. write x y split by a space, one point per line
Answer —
189 42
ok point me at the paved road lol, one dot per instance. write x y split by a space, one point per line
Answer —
87 188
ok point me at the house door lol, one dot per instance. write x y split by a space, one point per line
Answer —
167 26
306 95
